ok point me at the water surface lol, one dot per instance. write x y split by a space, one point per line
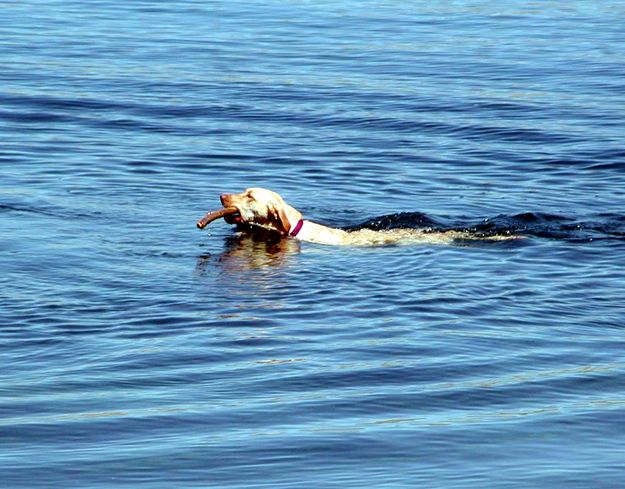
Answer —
139 352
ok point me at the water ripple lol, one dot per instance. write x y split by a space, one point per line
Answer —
142 353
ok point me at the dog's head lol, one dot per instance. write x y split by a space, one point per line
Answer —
264 208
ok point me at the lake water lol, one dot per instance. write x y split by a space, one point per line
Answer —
137 351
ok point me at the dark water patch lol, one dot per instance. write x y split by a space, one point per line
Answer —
220 156
116 123
26 209
51 210
410 220
97 113
143 167
63 103
604 159
33 117
618 166
512 134
127 124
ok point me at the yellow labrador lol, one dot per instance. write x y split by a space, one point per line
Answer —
268 209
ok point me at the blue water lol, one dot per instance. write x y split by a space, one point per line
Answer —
137 351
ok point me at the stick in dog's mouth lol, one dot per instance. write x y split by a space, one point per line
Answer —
212 216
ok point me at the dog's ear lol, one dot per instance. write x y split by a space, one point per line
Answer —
279 218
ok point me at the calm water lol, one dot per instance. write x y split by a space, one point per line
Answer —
137 351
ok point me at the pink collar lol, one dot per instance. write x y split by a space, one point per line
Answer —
297 228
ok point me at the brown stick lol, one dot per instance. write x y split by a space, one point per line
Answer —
211 216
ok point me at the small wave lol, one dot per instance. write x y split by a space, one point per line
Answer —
26 209
32 117
49 210
62 103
